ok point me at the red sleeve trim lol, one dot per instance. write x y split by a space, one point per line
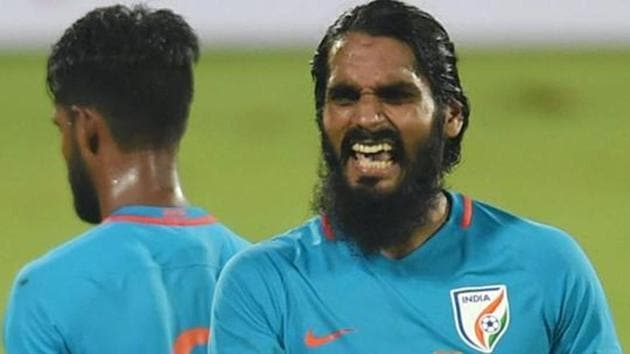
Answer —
467 214
171 221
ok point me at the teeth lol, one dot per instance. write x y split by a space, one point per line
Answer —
371 149
367 163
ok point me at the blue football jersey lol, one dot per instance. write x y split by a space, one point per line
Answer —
140 282
485 282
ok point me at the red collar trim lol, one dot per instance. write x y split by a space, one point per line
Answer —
467 214
167 220
327 229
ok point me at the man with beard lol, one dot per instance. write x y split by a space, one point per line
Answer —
142 280
396 264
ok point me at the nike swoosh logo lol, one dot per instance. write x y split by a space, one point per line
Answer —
313 341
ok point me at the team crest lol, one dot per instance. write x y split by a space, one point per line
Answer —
482 315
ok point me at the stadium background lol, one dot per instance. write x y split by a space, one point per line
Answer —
549 135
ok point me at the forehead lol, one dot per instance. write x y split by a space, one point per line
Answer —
362 58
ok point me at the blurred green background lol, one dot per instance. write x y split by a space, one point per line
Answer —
549 139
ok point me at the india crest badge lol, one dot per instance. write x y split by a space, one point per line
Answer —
482 315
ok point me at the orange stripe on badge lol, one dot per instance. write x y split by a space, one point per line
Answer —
490 309
188 340
467 214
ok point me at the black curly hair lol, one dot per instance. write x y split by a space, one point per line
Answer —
133 65
429 41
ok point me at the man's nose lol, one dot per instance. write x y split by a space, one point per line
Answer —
369 113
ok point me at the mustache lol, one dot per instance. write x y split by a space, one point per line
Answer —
359 134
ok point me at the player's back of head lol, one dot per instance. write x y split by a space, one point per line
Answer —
133 65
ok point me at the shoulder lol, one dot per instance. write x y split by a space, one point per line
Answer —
521 229
216 244
279 252
257 277
536 245
220 233
42 286
67 259
103 251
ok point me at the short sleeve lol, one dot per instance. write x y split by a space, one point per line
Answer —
246 312
585 322
29 327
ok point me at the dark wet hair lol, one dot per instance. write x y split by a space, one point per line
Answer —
433 50
133 65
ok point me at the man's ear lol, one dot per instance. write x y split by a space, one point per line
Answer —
453 119
88 124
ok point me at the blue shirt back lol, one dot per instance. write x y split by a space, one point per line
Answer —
486 282
140 282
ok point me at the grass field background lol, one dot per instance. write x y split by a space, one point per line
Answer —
549 139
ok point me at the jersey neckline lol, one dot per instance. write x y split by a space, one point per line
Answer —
442 243
170 216
459 220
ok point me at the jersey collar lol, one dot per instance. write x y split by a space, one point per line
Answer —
171 216
461 214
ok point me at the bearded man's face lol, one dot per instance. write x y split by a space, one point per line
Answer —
382 141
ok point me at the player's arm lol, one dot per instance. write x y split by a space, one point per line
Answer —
29 327
247 307
585 323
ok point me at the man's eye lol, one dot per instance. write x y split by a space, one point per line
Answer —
343 96
396 96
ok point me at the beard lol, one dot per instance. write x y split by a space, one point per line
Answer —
372 220
86 203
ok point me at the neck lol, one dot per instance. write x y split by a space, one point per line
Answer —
140 178
437 216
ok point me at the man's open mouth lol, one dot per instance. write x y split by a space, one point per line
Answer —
372 159
371 154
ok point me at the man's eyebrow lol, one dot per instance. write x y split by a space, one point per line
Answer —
342 86
395 86
400 86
